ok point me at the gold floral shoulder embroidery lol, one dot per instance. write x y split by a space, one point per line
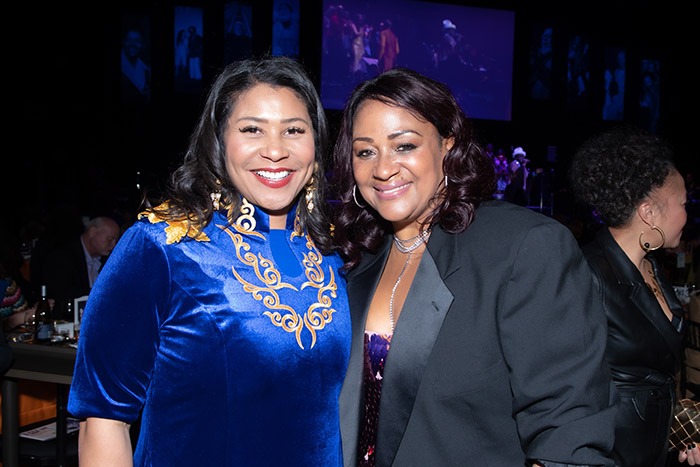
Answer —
177 228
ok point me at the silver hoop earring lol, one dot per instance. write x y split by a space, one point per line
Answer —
354 197
445 181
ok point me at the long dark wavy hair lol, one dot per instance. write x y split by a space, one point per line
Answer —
470 174
204 164
614 171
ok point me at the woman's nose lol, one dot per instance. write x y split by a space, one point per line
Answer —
385 167
274 149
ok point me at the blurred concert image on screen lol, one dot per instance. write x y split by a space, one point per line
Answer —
469 49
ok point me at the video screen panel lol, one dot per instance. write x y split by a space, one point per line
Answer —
285 28
649 96
238 32
189 48
541 55
578 75
135 79
469 49
614 76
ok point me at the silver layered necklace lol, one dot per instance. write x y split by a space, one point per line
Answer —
405 246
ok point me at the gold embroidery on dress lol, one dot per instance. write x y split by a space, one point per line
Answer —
246 221
177 228
317 315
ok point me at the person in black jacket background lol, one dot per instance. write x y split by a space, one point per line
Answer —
629 179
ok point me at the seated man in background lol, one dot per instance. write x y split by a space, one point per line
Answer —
70 270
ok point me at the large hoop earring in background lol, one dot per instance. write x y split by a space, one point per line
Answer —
310 193
355 198
646 246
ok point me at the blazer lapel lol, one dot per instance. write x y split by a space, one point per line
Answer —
642 298
362 281
649 307
414 335
645 301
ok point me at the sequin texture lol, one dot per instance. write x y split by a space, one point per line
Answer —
376 349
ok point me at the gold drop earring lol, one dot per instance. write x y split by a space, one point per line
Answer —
311 190
216 196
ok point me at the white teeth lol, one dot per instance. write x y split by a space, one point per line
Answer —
275 176
393 189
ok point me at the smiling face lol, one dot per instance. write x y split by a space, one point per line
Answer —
397 163
270 149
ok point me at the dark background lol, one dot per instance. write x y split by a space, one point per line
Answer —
74 142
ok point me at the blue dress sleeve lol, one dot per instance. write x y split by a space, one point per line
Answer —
119 331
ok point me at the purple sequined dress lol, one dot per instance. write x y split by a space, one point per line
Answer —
376 350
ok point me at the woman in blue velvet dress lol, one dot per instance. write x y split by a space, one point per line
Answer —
221 317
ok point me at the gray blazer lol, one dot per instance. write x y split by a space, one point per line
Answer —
498 355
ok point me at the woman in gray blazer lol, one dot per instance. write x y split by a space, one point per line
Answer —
477 336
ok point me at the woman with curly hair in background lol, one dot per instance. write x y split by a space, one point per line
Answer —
629 179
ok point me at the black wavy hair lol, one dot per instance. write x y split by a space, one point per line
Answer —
204 164
614 171
470 174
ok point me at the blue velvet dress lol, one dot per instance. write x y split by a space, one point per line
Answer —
235 355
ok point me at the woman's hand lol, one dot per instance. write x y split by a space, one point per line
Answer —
690 455
20 318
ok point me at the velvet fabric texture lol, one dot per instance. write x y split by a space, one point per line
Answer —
232 360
